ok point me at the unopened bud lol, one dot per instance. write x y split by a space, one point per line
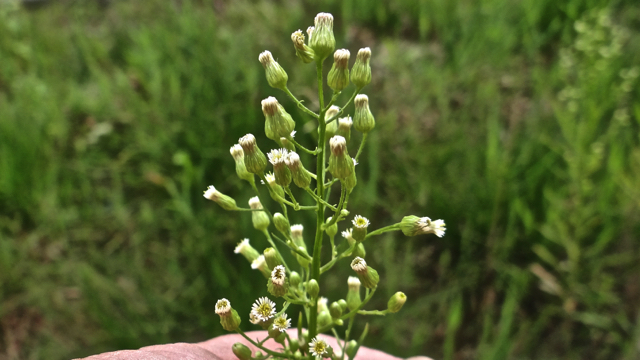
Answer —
367 275
322 40
340 163
254 159
229 318
360 225
271 257
349 183
344 127
363 120
300 175
343 304
259 218
294 279
277 192
338 77
395 303
335 309
413 225
276 76
359 251
278 122
296 235
246 250
303 52
225 202
285 143
313 288
238 157
261 265
333 229
361 71
281 223
241 351
352 349
353 295
324 319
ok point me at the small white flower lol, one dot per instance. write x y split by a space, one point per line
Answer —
264 309
259 263
318 347
296 230
223 307
345 123
278 156
432 227
241 246
354 283
333 111
211 193
281 323
358 264
254 203
360 222
271 179
237 152
348 234
354 161
278 275
293 133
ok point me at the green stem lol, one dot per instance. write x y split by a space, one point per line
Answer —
312 152
364 138
373 312
245 209
295 203
270 240
383 230
330 264
270 352
319 199
293 248
300 105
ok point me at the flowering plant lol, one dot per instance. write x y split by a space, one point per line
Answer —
301 287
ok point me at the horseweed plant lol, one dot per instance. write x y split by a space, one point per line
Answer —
301 288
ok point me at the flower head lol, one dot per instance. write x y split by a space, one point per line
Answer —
278 156
254 203
223 307
237 152
347 234
281 323
318 347
278 275
358 264
211 193
264 309
360 222
354 283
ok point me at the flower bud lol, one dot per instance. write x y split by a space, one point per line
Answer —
363 120
278 122
276 76
229 318
313 288
225 202
395 303
344 127
361 71
367 275
343 304
332 127
296 235
300 175
281 223
352 349
338 77
294 279
353 296
294 345
278 284
335 309
350 182
259 218
246 250
322 304
412 225
302 260
297 355
238 156
271 257
322 40
360 225
281 171
359 251
260 264
241 351
340 163
276 191
324 318
333 229
254 159
304 52
285 143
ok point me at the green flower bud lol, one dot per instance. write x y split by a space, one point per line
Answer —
395 303
278 284
321 40
322 304
294 345
333 229
241 351
277 158
367 275
335 309
360 225
260 264
338 77
344 127
412 225
238 156
302 260
359 251
246 250
324 318
350 182
332 127
278 123
352 349
363 120
297 355
276 335
254 159
271 257
300 175
344 212
286 144
304 52
277 192
343 303
229 318
296 235
340 163
353 295
281 223
313 288
276 76
259 218
225 202
294 279
361 71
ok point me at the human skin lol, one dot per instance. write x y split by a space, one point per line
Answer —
219 348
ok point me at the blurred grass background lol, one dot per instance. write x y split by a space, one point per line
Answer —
515 121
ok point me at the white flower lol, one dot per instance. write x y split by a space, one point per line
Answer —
254 203
354 283
223 307
432 227
281 323
271 179
318 347
360 222
347 234
278 275
211 193
358 264
264 309
293 133
354 161
241 246
345 123
278 156
259 263
237 152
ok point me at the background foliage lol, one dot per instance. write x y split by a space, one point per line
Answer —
515 121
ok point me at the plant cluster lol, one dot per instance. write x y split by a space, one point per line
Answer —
302 287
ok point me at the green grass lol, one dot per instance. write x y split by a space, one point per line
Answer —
507 119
